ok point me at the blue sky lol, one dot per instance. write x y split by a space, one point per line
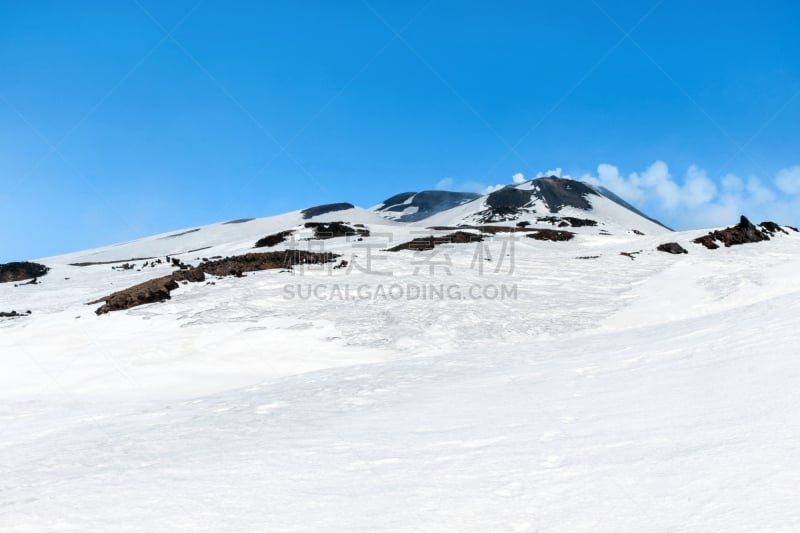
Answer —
127 118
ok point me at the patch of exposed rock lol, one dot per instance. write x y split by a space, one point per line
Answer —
93 263
672 248
181 234
12 314
330 230
429 243
158 290
423 204
551 235
565 222
312 212
631 255
21 270
742 233
773 229
274 239
484 229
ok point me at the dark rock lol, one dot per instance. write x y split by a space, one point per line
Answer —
672 248
429 243
551 235
428 203
561 192
155 290
486 228
12 314
742 233
509 203
195 275
181 234
568 221
630 254
253 262
274 239
508 199
158 290
239 221
330 230
21 270
637 232
493 230
312 212
93 263
772 228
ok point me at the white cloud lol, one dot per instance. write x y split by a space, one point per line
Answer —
699 200
788 180
658 179
732 184
491 188
557 172
758 191
608 176
697 188
518 178
445 183
450 184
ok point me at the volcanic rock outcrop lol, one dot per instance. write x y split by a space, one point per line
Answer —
21 270
742 233
672 248
158 290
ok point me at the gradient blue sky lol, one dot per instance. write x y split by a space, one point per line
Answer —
120 119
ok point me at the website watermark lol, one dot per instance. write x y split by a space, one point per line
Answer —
426 267
399 291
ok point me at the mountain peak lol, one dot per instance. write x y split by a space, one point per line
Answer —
414 206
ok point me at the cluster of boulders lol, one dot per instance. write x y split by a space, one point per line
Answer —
742 233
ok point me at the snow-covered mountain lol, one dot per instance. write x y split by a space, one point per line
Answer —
540 198
542 202
415 206
528 360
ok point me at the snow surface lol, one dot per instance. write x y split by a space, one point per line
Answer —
655 394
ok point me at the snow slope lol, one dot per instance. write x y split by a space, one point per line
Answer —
653 394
